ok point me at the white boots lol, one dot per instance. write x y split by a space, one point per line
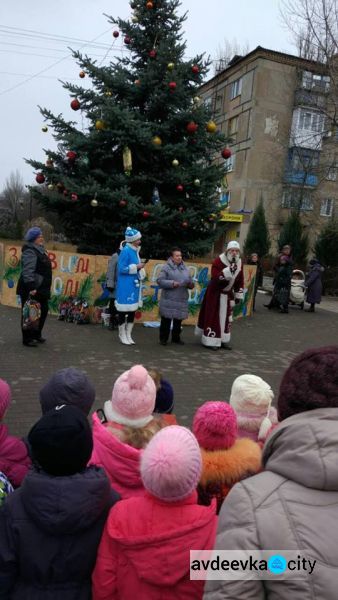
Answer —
129 329
125 333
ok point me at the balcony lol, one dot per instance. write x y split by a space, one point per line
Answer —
301 178
309 99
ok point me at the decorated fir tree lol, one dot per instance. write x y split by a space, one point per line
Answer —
146 156
258 239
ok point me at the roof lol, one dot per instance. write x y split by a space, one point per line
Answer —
260 52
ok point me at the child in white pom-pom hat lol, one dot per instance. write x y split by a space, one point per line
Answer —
251 397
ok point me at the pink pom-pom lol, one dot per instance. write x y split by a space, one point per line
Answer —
137 377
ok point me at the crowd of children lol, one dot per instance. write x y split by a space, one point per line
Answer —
112 511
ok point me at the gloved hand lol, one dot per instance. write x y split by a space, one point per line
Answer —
227 273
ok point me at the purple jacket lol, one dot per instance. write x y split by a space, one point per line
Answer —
313 283
14 459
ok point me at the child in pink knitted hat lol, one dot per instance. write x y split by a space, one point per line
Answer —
226 459
251 397
145 548
128 426
14 459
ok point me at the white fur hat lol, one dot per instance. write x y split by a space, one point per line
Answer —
233 246
251 394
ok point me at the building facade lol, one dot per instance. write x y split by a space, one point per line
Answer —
274 107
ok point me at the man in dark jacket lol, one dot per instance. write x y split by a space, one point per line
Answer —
35 281
51 526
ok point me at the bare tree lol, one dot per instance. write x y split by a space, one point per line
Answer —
314 28
13 195
227 51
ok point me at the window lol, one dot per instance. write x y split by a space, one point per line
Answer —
224 198
332 172
233 126
236 88
297 198
311 120
304 160
229 163
316 82
208 102
326 208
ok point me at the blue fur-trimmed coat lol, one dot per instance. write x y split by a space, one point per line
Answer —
128 293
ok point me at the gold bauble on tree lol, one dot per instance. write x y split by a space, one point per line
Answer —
171 66
211 127
94 203
157 140
175 162
100 125
44 129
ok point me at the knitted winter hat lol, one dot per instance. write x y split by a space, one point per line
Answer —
133 398
171 464
310 382
32 234
5 397
68 386
61 441
233 246
131 235
215 426
251 395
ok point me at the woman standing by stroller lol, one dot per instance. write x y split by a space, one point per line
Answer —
282 285
313 283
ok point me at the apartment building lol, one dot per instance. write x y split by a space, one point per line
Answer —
274 108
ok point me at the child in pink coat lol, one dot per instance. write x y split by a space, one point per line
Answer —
145 548
251 398
14 459
128 427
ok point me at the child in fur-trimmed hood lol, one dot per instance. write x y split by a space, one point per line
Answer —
251 397
226 459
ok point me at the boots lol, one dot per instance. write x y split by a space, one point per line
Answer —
123 334
129 328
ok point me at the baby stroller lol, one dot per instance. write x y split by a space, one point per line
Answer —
297 291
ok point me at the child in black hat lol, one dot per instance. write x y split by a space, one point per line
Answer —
50 528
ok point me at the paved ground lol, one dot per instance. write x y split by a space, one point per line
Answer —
263 344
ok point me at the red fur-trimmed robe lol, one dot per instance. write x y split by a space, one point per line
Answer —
215 317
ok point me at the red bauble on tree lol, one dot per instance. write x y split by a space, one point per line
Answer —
116 34
152 53
226 153
185 224
127 40
149 5
181 209
65 192
180 187
74 197
195 69
40 178
71 155
123 203
172 85
192 127
82 74
75 104
145 214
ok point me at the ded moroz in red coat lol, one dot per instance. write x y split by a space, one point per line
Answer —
215 317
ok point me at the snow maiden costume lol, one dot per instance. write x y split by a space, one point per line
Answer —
224 289
129 277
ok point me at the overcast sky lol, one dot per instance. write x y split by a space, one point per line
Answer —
29 74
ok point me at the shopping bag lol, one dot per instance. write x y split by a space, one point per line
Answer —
31 314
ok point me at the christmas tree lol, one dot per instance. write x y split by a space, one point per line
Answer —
258 239
146 157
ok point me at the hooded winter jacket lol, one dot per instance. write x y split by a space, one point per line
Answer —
293 505
120 461
223 468
14 459
144 551
50 529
